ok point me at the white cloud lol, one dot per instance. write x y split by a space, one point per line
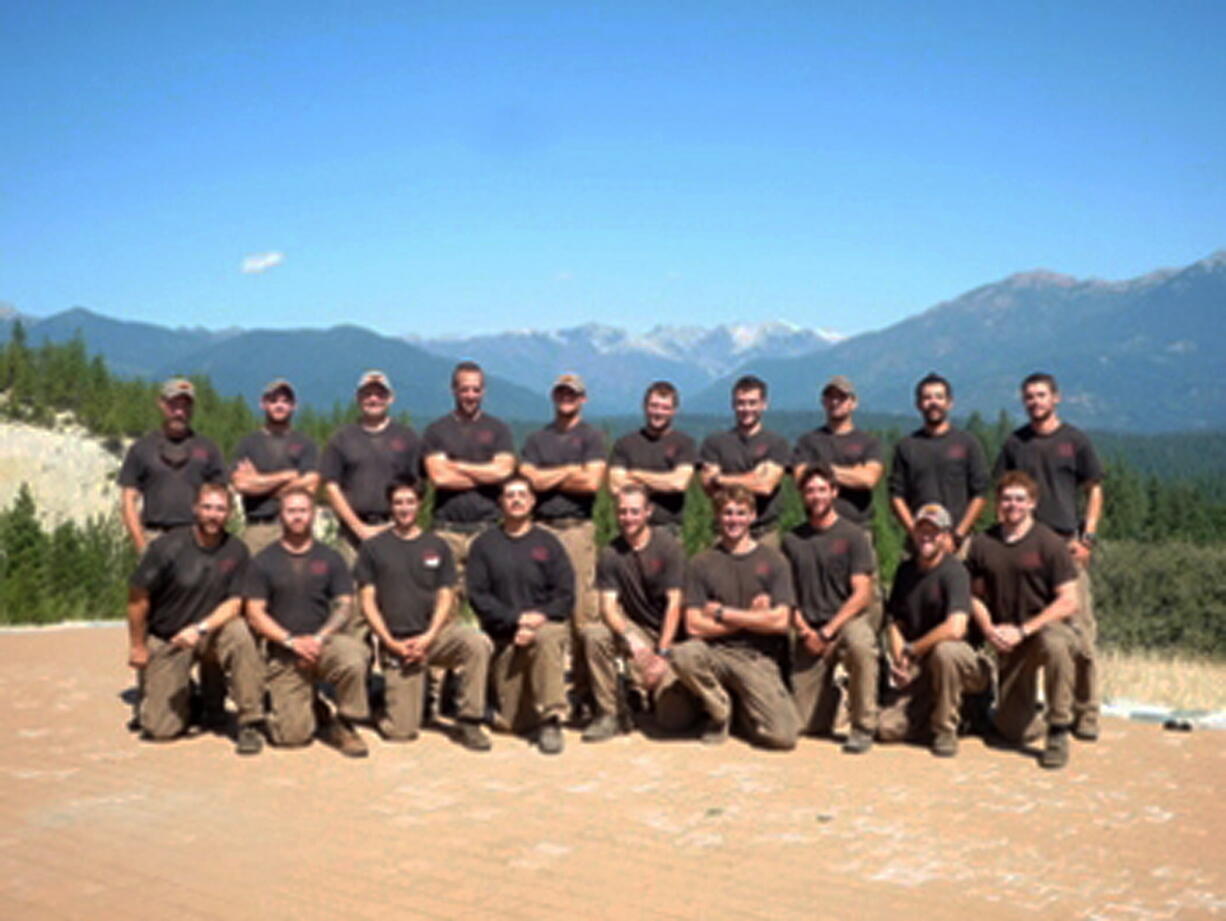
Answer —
261 262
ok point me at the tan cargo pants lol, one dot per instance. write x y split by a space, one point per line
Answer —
1058 649
457 646
675 709
529 681
291 687
813 689
932 703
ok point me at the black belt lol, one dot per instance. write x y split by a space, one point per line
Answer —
375 518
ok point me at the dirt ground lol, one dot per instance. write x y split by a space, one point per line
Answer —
97 824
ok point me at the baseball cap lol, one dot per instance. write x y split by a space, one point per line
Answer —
276 384
571 380
178 387
841 384
375 377
934 513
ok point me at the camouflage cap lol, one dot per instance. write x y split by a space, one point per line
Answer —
277 384
841 384
572 380
935 514
178 387
375 377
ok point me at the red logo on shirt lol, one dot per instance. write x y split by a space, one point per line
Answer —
294 449
762 569
1066 449
319 567
1031 559
575 441
485 437
540 554
227 565
431 559
670 451
854 449
200 454
653 564
934 593
399 445
956 452
760 450
839 546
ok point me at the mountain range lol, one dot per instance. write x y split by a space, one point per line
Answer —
1144 355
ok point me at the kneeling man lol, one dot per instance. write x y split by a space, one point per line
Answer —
1025 586
738 600
406 581
931 664
639 580
521 584
832 564
183 607
299 596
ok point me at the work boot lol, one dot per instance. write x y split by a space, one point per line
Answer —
713 732
604 727
549 739
1055 752
249 741
340 734
858 742
1085 729
945 744
473 737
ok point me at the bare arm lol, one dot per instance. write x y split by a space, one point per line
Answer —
138 627
418 647
672 618
308 481
189 636
491 472
761 481
973 510
1094 507
344 511
1062 607
447 474
858 476
129 511
584 478
952 627
898 505
675 480
859 599
546 478
251 482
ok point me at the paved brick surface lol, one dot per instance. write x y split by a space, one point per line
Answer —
99 825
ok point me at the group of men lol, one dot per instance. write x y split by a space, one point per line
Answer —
764 633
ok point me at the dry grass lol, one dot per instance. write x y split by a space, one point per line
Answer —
1165 679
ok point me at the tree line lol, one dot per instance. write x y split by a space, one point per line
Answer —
1161 569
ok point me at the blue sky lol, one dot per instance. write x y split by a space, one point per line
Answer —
455 167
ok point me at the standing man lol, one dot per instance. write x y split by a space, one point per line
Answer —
738 600
183 607
640 578
658 457
855 458
362 458
270 462
406 581
164 469
469 454
931 664
1062 461
1025 586
938 463
521 586
299 597
748 455
832 565
565 464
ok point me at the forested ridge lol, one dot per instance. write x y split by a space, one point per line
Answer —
1160 573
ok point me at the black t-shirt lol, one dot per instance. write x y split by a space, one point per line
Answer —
823 563
168 473
849 450
185 581
270 453
507 576
475 441
550 447
734 452
1020 579
298 587
923 599
362 463
949 469
642 578
406 575
644 450
1061 463
734 581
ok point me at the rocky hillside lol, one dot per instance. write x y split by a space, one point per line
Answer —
70 474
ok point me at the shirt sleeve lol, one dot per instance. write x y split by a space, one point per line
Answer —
696 591
872 450
977 468
363 568
594 446
1089 470
618 458
132 471
861 554
238 575
781 590
561 599
674 567
432 440
1062 567
532 450
606 570
215 466
780 452
148 571
504 443
340 579
332 464
957 590
255 585
709 452
687 453
1005 460
241 453
446 568
808 450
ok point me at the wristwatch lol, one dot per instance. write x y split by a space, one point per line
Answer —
202 628
719 614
